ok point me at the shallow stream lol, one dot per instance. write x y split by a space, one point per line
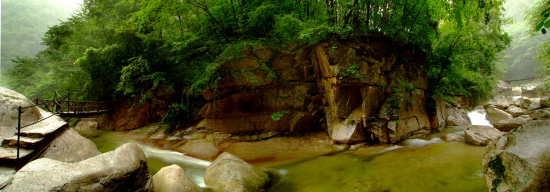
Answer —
428 164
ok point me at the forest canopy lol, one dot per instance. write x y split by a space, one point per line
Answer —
112 48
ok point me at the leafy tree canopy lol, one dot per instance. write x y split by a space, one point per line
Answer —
131 47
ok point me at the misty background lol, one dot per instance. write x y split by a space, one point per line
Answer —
24 22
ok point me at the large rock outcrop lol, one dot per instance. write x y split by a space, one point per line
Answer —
124 169
515 111
130 113
356 90
231 174
481 134
173 178
519 160
70 147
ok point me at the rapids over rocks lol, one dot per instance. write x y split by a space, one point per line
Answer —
428 164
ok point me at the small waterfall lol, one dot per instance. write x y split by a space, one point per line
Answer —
195 168
479 117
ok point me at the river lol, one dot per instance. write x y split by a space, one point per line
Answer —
428 164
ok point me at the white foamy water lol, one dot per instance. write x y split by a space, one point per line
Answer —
420 142
479 117
516 97
193 166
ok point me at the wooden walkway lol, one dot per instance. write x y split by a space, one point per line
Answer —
68 108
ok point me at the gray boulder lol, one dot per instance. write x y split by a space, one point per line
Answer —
124 169
497 101
9 102
71 147
481 134
525 103
541 114
519 160
495 115
535 104
515 111
456 116
174 178
516 91
231 174
509 124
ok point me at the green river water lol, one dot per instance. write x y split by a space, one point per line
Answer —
428 164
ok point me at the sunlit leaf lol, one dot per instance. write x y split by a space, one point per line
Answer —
539 26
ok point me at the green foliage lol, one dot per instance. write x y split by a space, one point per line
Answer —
352 122
277 115
112 48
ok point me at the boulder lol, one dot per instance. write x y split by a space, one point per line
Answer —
71 147
231 174
495 115
456 116
9 102
516 91
481 134
541 114
525 103
124 169
452 137
173 178
504 88
519 160
535 104
509 124
515 111
497 101
200 148
88 122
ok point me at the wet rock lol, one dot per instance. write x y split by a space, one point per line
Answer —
509 124
174 178
519 160
541 114
231 174
495 115
515 111
200 148
71 147
124 169
452 137
481 135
